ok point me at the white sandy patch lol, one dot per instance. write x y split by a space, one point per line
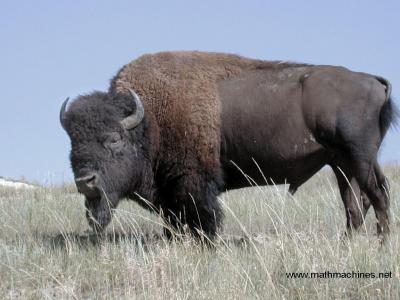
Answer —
15 184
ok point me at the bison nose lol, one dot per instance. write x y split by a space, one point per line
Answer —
88 185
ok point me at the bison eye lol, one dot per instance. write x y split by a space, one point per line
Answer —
113 140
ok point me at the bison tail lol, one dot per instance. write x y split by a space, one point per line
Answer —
390 113
389 116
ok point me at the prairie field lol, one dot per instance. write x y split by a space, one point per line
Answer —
269 237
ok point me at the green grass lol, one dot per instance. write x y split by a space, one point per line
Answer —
46 251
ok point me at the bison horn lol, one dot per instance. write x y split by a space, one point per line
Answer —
62 112
134 119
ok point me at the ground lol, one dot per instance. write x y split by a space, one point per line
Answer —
47 252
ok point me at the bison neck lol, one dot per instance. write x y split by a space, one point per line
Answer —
264 138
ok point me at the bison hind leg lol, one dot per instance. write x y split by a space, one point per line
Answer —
370 183
355 201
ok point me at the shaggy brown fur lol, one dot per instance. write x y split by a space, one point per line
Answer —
180 92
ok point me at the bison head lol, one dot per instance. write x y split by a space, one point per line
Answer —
107 135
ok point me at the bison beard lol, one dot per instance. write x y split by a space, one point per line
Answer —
98 213
197 116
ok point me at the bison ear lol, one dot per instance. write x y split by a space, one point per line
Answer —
62 113
134 119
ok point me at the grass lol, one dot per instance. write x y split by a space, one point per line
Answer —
46 251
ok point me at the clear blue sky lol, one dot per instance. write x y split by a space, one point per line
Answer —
53 49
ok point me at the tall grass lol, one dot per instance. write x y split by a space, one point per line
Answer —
47 252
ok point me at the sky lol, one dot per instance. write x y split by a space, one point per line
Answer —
50 50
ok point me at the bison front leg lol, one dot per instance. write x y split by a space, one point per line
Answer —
192 203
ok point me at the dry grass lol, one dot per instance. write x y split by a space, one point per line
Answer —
46 252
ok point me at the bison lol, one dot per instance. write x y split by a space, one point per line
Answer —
179 128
